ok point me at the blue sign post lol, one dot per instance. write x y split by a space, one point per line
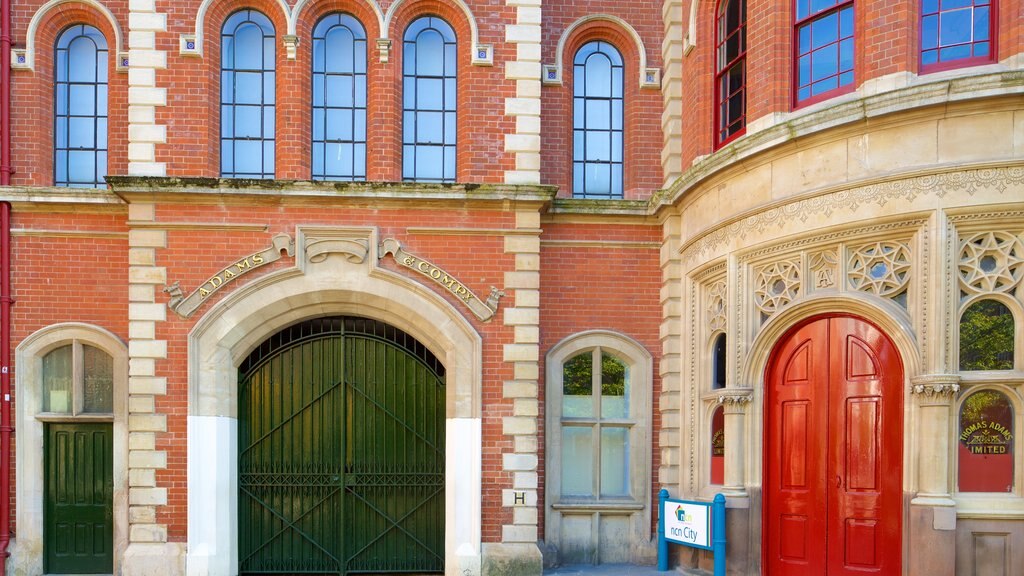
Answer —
695 524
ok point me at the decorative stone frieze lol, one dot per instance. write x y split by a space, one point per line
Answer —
935 388
824 269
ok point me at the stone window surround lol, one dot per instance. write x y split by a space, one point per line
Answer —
640 364
27 553
1010 383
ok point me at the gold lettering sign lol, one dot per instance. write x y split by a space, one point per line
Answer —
986 437
483 310
185 306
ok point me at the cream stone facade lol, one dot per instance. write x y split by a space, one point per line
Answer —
870 207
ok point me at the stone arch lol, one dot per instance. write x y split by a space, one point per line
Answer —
474 34
205 7
334 286
887 316
296 15
615 21
27 548
40 14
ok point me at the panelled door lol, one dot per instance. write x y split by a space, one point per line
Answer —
341 452
78 516
833 451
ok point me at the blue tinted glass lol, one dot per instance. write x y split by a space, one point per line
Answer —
955 52
951 4
269 84
429 127
824 86
598 147
804 34
429 54
981 23
339 124
429 93
981 49
929 6
597 179
819 5
845 78
82 56
430 162
81 132
597 76
930 32
955 27
248 157
340 45
930 57
824 62
599 115
845 23
247 122
82 100
824 31
248 48
82 166
248 87
846 54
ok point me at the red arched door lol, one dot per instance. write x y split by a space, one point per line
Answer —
833 451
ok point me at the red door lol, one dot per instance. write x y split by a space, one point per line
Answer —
833 451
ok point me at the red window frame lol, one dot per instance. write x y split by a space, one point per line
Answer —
808 20
723 69
938 66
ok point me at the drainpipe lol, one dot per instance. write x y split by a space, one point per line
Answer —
5 279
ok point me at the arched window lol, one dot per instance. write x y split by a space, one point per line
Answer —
247 86
597 122
80 108
824 48
718 363
986 336
429 101
598 410
339 98
731 70
955 34
78 379
985 444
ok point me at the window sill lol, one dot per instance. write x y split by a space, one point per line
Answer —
1006 506
598 506
59 417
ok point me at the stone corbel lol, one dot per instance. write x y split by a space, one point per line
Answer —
935 389
352 249
291 45
384 49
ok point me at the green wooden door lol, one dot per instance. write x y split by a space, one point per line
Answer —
78 525
341 452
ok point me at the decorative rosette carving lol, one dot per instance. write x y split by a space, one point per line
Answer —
991 262
776 285
881 268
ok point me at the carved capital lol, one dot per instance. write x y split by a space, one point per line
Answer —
735 401
935 388
291 45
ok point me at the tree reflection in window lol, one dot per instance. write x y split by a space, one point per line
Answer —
986 336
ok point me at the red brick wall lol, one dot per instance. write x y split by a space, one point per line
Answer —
602 288
642 116
193 114
32 92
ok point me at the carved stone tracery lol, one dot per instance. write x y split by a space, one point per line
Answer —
880 268
776 285
717 306
991 262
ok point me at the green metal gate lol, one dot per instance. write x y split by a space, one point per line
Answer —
341 452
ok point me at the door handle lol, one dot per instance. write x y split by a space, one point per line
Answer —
839 481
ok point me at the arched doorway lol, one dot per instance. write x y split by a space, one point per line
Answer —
833 450
341 451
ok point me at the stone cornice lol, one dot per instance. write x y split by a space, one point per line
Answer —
839 112
192 189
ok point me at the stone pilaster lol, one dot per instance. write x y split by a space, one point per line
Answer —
143 94
525 35
670 366
672 91
734 403
933 511
148 551
518 552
